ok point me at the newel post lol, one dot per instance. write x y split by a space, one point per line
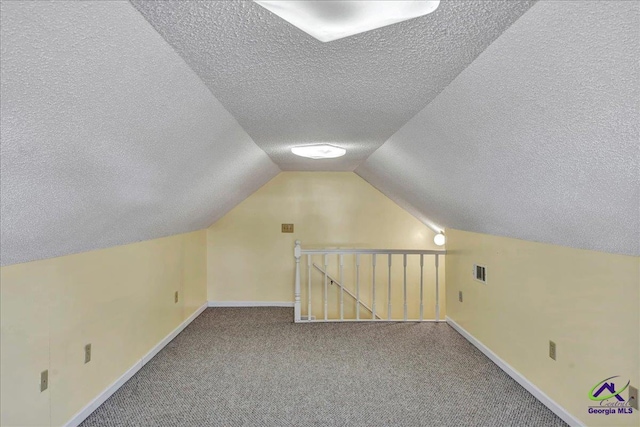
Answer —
297 252
437 290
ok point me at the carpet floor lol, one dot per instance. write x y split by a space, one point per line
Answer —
254 367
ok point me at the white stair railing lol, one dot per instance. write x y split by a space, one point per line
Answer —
299 252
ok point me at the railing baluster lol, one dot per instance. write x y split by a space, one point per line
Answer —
373 290
357 286
421 286
437 291
389 300
326 303
297 303
356 295
309 287
404 262
341 288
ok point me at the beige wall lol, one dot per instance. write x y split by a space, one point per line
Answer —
587 302
120 299
250 259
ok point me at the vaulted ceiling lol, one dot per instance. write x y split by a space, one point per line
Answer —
108 137
286 88
538 139
126 121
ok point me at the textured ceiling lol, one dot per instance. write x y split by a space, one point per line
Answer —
287 88
538 139
108 137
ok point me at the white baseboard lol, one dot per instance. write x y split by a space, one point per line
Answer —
166 340
251 304
518 377
100 399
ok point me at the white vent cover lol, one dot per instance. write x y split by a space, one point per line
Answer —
480 273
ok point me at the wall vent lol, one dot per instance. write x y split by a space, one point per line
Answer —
480 273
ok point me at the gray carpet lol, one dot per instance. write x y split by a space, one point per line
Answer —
253 367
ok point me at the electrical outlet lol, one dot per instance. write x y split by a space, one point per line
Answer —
460 296
287 228
175 297
552 350
87 353
633 397
44 380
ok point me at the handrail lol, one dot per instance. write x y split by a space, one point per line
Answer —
373 251
333 280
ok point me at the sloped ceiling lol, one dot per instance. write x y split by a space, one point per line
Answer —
538 139
108 137
287 88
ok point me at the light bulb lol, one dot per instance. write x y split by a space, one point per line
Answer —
439 239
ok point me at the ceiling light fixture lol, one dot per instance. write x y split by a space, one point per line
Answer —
439 239
332 20
318 151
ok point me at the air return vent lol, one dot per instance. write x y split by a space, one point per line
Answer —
480 273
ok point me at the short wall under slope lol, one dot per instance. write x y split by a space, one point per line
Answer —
121 300
586 302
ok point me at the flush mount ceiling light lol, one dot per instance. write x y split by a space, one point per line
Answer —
332 20
319 151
